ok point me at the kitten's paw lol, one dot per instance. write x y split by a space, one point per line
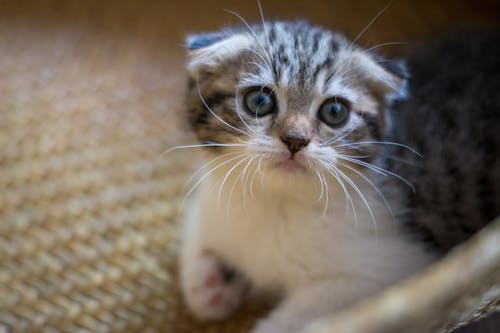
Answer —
210 290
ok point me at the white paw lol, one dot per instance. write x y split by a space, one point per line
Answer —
209 291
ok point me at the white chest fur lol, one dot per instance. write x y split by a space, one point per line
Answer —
287 241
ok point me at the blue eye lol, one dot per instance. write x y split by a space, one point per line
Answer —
334 112
259 101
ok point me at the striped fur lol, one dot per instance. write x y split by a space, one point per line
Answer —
303 64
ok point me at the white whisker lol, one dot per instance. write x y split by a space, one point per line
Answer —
383 143
264 26
339 136
372 185
226 176
360 194
204 166
378 170
258 55
327 199
208 173
258 40
385 44
371 22
321 185
348 197
256 170
215 115
203 145
260 172
237 178
245 178
237 108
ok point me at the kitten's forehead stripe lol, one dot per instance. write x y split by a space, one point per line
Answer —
272 34
313 51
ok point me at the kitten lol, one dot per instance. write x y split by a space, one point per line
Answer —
452 118
289 200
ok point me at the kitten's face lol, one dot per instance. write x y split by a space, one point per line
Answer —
295 98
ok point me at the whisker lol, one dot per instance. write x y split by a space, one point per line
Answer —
204 166
371 22
348 197
237 108
379 170
226 176
321 185
268 60
327 195
264 26
215 115
231 191
242 175
203 145
381 153
258 55
260 172
372 185
397 159
338 137
389 143
360 194
386 44
208 173
252 194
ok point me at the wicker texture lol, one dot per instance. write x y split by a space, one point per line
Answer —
87 204
89 97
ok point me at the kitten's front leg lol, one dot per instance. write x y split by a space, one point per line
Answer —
305 305
210 288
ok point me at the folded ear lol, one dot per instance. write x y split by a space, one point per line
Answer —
199 41
386 78
397 67
207 50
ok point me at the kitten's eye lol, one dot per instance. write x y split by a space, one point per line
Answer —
334 112
260 102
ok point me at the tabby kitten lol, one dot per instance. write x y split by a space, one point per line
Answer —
289 200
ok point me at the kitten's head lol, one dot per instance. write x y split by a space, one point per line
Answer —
296 98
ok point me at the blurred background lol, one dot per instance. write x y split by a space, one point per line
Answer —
90 97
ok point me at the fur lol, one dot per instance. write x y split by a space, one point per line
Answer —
311 226
452 119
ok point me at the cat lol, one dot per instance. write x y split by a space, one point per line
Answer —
452 118
301 195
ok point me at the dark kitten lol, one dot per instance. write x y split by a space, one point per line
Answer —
452 119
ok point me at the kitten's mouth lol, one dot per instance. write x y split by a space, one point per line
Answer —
291 164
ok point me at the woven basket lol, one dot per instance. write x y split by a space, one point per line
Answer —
90 94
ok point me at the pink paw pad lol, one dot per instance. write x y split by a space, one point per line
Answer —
212 280
211 290
216 300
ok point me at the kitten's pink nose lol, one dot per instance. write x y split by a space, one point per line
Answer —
295 143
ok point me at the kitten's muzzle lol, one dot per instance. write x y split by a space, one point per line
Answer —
295 143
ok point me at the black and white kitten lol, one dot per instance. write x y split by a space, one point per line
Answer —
297 195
